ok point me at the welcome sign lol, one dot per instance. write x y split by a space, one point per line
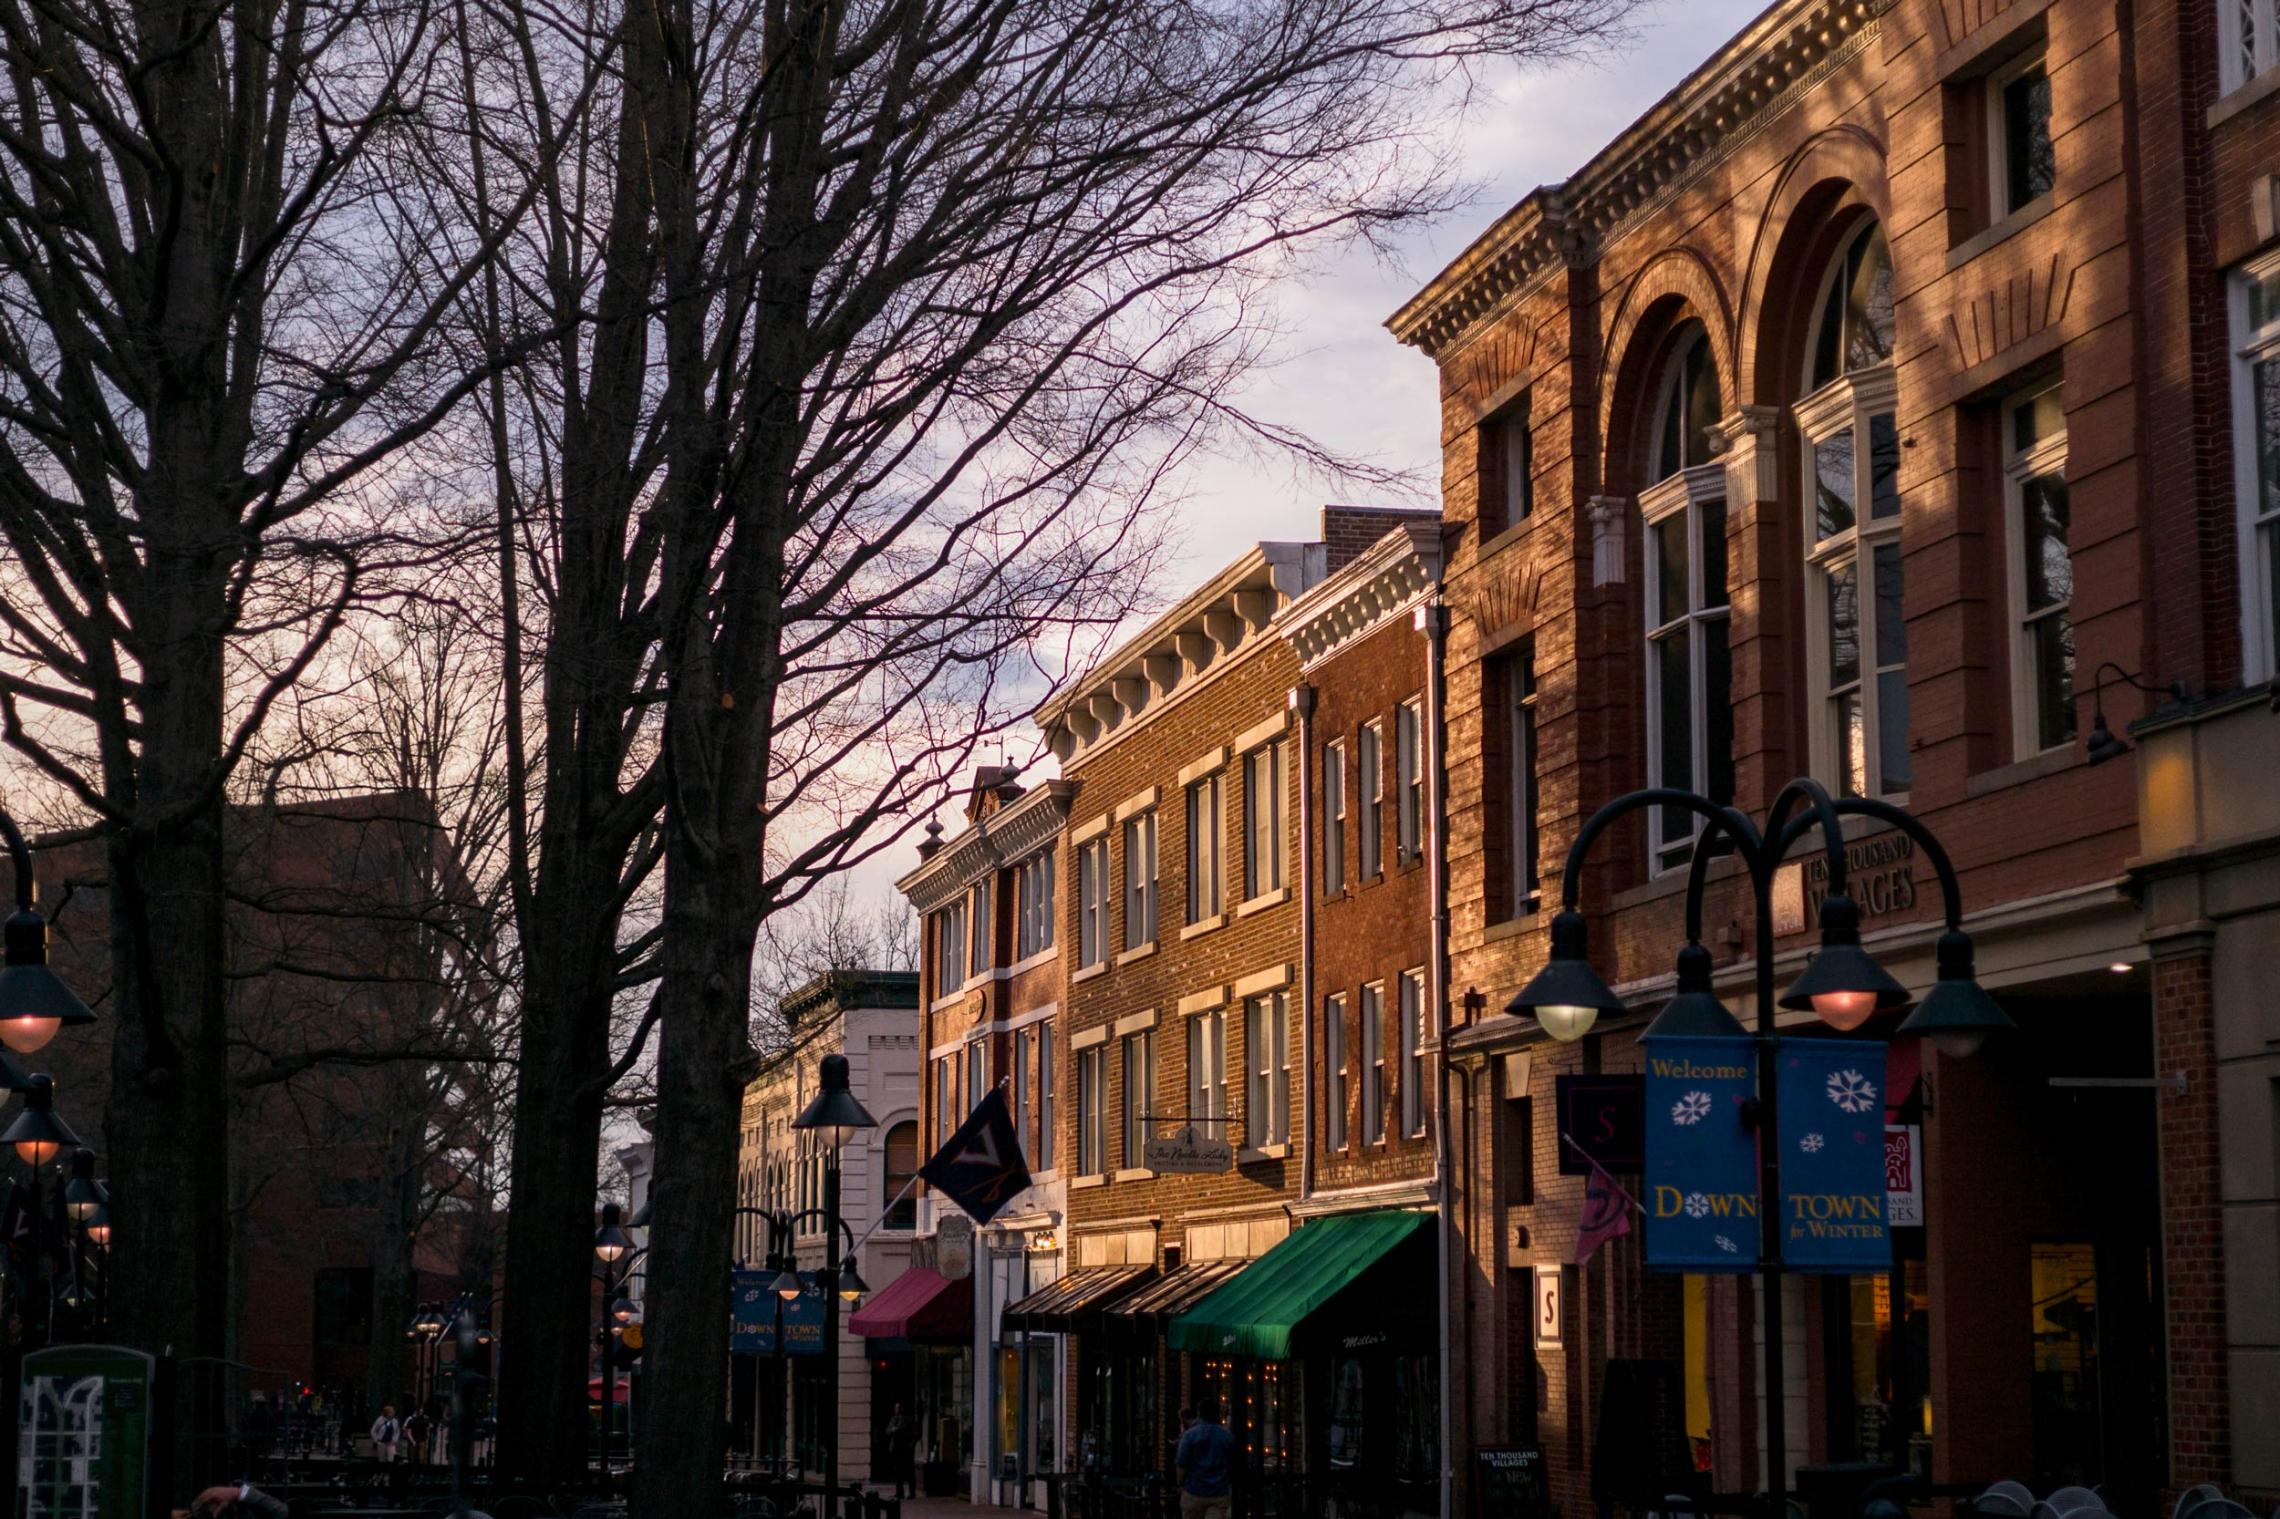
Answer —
1834 1201
1701 1180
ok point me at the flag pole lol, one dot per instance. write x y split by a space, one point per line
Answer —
1569 1141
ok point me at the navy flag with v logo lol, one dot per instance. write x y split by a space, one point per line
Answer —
980 1167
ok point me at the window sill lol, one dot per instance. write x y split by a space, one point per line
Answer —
1088 972
2243 97
1999 231
1084 1183
1263 1154
1263 901
1511 928
2032 768
946 1002
1505 537
1202 926
1137 952
1134 1173
1031 961
1410 862
1336 894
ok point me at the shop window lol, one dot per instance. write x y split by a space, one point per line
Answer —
2256 434
1373 1063
1092 903
1139 1093
1092 1111
1140 880
1266 1031
2042 572
1045 1097
1260 1401
1033 890
2022 162
1413 1035
1333 818
1207 1067
2248 40
1334 1071
1858 636
898 1175
1262 821
2063 1283
1409 780
1507 457
1369 782
1205 872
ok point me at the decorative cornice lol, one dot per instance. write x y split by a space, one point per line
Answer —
1737 93
996 841
1378 585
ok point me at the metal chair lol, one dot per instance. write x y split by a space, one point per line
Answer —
2004 1500
2193 1497
2076 1500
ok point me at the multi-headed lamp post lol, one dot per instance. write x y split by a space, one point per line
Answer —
616 1251
835 1110
1842 985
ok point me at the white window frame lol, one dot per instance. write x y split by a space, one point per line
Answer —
2001 199
1018 1096
1207 1068
977 1073
2260 625
1140 880
1207 847
1369 785
1033 894
946 1115
1092 902
1092 1110
1511 434
1334 1071
1851 403
1409 780
1139 1061
2045 457
2239 64
1373 1063
950 946
1266 1038
1045 1096
1687 493
982 937
1523 825
1413 1038
1673 396
1263 841
1334 789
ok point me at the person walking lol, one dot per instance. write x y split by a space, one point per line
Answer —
902 1442
387 1434
1204 1463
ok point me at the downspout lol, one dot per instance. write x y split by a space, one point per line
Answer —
1302 700
1433 621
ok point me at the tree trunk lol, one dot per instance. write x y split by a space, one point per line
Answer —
395 1268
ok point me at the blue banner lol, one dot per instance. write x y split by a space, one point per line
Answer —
1832 1156
752 1298
1701 1177
757 1316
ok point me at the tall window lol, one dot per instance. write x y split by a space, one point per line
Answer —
1139 1093
981 940
2022 164
946 1114
1266 1030
1369 784
950 948
1092 903
900 1170
1140 880
1334 1071
1686 405
2256 433
1507 466
1409 780
1092 1110
1333 818
1023 1049
1413 1053
1859 642
1044 1096
2042 571
977 1075
1373 1063
1033 892
1207 1067
1206 874
1262 821
1509 697
2247 32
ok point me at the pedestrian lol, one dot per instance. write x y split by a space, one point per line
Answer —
387 1434
902 1442
1204 1465
417 1429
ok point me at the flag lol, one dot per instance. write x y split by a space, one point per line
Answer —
980 1167
1606 1212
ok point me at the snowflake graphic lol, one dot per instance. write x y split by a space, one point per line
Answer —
1723 1243
1850 1091
1690 1109
1811 1144
1697 1206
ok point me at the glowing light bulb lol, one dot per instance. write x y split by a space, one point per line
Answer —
28 1035
1844 1010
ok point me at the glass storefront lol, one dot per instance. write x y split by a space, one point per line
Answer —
945 1375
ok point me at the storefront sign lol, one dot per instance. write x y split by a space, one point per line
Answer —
1549 1319
1509 1482
1879 876
1904 1175
1833 1212
1187 1151
954 1247
1701 1184
1604 1115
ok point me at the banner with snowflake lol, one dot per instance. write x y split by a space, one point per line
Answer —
1701 1192
1833 1200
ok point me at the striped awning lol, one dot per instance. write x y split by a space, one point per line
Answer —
1175 1292
1054 1307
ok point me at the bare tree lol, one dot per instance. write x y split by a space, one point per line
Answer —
947 285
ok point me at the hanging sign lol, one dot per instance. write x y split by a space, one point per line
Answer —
752 1313
1904 1175
1833 1202
1700 1182
1188 1150
1602 1115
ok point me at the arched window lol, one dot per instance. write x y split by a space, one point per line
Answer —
1857 644
901 1169
1690 723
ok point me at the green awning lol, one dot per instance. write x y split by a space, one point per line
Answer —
1257 1312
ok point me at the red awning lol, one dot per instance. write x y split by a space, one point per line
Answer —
621 1394
919 1306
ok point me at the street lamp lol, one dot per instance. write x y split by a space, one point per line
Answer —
83 1194
1842 985
834 1108
612 1245
34 1002
38 1133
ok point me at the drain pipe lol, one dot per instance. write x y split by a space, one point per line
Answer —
1433 622
1302 699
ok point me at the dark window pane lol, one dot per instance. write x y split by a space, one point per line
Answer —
1670 445
1829 336
1868 304
1835 492
1844 625
1883 467
1670 568
1702 402
1891 623
2036 420
1892 730
1712 517
1519 465
2053 642
1674 724
1717 709
2266 381
2050 570
1852 743
2030 162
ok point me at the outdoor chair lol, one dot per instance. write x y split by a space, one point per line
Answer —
2004 1500
2222 1508
2193 1497
2076 1500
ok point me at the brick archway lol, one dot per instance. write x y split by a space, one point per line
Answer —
1676 284
1839 168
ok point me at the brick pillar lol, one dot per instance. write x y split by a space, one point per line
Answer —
2192 1217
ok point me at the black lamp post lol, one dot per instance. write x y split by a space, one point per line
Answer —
39 1135
34 1002
782 1257
833 1108
1842 985
616 1251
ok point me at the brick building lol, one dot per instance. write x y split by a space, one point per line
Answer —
1890 404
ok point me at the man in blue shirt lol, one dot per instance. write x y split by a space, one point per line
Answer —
1205 1462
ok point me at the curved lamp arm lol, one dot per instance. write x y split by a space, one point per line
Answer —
1732 826
1571 878
1813 794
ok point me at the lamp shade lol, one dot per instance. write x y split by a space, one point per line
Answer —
1566 996
1843 985
788 1286
83 1194
38 1134
834 1106
611 1242
622 1310
1957 1014
99 1227
1696 1012
34 1002
850 1282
